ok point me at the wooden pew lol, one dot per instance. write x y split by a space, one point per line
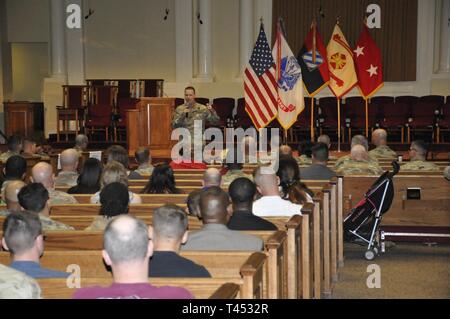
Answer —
201 288
248 266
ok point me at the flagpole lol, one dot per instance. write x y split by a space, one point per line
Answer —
339 124
285 136
312 119
367 118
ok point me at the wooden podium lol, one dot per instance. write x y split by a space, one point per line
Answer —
150 125
23 118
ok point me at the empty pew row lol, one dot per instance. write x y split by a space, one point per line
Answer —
201 288
246 268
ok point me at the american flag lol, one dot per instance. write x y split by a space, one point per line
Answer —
260 85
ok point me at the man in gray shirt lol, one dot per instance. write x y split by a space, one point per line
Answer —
318 170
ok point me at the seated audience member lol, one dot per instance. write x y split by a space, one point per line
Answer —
16 285
10 197
318 170
193 203
22 236
34 198
43 173
127 249
381 150
447 173
326 140
357 140
359 163
418 158
305 152
289 174
285 150
114 200
144 160
29 148
271 203
162 181
15 170
170 225
234 171
81 143
68 175
119 154
211 177
242 191
215 235
89 180
15 145
297 194
115 172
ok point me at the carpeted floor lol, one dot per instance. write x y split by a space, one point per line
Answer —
407 271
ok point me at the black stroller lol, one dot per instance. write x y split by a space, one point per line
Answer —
362 223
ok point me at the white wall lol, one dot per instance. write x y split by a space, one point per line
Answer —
29 68
130 39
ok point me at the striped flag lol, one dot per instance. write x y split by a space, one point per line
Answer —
260 86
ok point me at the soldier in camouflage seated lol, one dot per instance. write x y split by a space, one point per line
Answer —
379 139
68 175
358 163
144 160
16 285
357 140
10 197
417 158
35 198
43 173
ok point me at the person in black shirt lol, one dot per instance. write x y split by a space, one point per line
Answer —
242 192
169 232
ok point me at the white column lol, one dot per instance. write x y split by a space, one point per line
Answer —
205 72
57 31
75 51
246 33
444 57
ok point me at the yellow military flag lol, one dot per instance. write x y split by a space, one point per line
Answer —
340 64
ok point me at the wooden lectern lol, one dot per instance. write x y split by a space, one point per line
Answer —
150 125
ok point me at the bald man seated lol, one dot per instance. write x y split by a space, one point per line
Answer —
285 150
359 163
10 197
68 175
357 140
271 203
128 247
216 211
211 177
42 173
381 150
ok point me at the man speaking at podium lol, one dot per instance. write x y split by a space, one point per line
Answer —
185 115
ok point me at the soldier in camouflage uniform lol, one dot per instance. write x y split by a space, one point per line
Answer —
81 143
358 164
68 176
16 285
417 158
326 139
43 173
15 144
305 149
233 174
10 197
142 156
381 151
34 198
447 173
357 140
187 114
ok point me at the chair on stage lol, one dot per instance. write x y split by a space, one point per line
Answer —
355 110
99 119
202 100
224 107
395 115
424 115
120 118
242 118
444 121
328 116
75 100
302 126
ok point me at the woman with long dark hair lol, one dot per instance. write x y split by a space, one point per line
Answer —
289 175
162 181
89 179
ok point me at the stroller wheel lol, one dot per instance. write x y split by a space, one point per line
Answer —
370 254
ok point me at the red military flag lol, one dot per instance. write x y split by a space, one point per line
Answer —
368 63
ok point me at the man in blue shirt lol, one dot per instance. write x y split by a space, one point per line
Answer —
22 236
